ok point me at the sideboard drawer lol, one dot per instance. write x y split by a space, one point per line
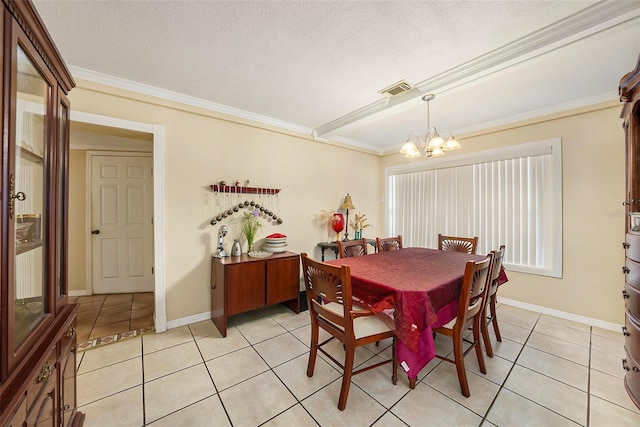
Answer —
633 249
631 297
632 377
632 336
633 273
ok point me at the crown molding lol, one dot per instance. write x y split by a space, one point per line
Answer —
590 21
144 89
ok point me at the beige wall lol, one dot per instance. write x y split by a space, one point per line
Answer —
593 215
202 148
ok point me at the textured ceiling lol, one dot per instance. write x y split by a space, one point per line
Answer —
318 65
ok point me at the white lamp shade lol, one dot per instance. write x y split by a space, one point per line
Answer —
452 144
437 152
410 150
408 147
436 141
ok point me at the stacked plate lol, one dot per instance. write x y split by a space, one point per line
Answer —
275 243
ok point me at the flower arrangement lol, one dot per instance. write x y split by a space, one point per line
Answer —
326 220
358 224
250 226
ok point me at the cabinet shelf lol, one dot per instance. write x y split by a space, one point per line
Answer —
244 190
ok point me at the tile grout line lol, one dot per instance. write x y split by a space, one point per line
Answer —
515 361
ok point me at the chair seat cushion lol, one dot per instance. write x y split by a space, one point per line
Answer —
362 326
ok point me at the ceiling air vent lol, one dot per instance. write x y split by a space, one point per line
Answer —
396 88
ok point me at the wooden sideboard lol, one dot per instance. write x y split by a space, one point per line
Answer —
630 95
243 283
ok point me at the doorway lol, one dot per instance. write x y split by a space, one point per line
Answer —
121 222
91 132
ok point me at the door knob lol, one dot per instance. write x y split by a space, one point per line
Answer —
95 231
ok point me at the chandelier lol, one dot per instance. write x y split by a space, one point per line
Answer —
432 143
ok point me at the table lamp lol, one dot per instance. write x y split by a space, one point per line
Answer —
347 204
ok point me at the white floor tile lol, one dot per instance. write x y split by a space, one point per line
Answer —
100 357
554 395
256 400
426 406
323 406
296 416
280 349
205 413
236 367
124 409
558 347
176 391
511 409
555 367
445 379
170 360
605 413
109 380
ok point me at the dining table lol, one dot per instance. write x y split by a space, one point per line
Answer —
413 290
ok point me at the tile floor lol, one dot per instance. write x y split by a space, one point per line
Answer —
106 315
546 372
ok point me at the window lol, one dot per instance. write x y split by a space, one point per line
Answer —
510 196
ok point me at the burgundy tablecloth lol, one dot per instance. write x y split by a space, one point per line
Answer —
417 288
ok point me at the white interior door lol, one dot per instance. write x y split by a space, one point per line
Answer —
122 223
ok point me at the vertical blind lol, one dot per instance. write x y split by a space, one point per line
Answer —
505 198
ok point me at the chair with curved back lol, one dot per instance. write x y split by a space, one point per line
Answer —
331 308
351 248
385 244
457 244
492 297
471 303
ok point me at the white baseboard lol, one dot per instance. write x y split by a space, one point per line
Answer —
188 320
562 315
81 293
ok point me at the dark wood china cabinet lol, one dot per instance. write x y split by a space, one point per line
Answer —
38 339
630 95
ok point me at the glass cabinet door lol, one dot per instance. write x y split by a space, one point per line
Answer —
28 187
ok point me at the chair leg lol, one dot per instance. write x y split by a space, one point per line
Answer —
458 352
313 350
485 335
346 377
476 342
494 318
394 349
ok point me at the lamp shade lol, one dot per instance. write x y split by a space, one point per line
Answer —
452 144
347 204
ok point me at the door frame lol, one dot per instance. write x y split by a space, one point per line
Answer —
157 133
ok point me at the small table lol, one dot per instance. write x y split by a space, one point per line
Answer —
334 247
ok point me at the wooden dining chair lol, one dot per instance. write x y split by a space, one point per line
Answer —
331 308
471 303
351 248
385 244
492 297
457 244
